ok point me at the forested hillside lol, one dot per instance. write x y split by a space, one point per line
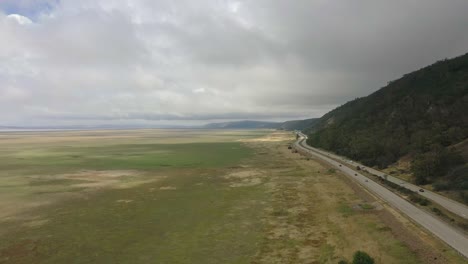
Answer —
299 124
421 114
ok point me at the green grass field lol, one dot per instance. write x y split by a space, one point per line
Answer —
199 221
117 150
178 207
127 156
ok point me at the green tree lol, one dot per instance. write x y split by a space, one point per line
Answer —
429 166
361 257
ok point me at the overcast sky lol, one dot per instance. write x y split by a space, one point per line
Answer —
88 62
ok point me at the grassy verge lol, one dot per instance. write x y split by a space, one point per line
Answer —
424 203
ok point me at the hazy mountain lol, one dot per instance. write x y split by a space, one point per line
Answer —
245 124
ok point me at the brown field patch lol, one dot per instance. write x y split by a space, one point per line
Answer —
245 178
49 189
167 188
273 137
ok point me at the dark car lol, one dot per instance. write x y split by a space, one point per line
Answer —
421 190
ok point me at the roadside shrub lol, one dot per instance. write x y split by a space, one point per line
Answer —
437 211
424 202
361 257
416 198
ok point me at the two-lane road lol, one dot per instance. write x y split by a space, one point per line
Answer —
453 237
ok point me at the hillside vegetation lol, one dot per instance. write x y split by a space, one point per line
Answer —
422 115
299 124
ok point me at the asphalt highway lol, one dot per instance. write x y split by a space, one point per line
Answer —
449 204
453 237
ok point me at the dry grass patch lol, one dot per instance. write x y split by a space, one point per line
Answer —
93 179
39 191
124 201
245 178
272 137
167 188
311 216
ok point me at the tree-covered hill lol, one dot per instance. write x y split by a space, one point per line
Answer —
299 124
421 114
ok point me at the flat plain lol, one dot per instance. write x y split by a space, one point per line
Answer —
189 196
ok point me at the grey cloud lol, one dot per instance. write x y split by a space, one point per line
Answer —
105 61
221 41
92 38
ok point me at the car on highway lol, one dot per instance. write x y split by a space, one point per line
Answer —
421 190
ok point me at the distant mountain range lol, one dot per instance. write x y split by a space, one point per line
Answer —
249 124
245 124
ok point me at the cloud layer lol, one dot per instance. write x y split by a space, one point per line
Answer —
96 62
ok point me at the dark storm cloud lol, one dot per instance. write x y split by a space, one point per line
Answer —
100 61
